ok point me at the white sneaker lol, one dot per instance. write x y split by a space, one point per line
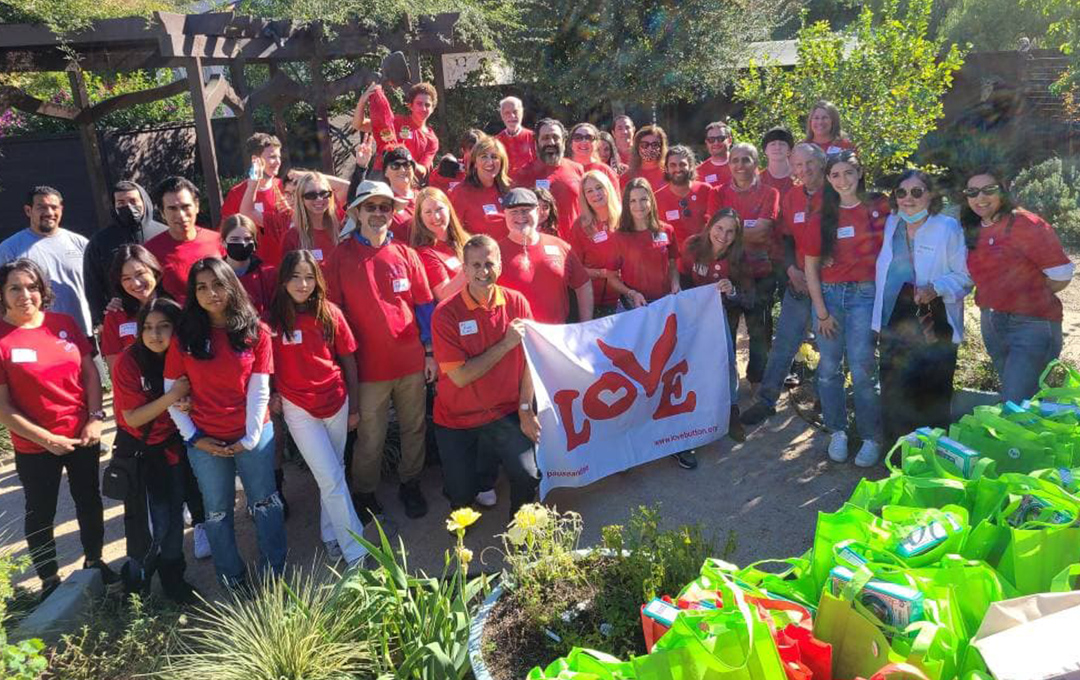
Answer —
187 516
488 499
237 484
868 455
838 447
333 550
202 543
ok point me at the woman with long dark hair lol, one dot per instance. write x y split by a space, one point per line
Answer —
146 433
920 284
315 376
1018 266
241 239
225 352
135 276
645 249
843 244
547 212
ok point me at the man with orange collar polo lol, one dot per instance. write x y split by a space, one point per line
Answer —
484 407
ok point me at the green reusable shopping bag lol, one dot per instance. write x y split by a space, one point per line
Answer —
1066 478
584 664
919 458
1069 390
796 583
847 525
1013 447
1067 580
922 536
989 496
917 492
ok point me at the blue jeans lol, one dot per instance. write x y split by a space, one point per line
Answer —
790 333
852 305
216 476
1020 347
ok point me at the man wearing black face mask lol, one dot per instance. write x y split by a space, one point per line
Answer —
132 222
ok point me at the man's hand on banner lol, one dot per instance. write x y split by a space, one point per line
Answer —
725 287
636 299
514 333
530 425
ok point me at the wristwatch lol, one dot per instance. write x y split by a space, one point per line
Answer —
524 407
97 415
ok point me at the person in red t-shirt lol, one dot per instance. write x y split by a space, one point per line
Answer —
452 171
609 153
592 238
777 145
146 434
715 170
383 291
823 128
391 130
478 199
841 255
50 402
560 176
317 219
682 202
262 195
645 250
184 243
520 142
622 130
585 151
317 391
257 277
484 407
547 212
438 239
400 172
650 150
224 351
135 275
539 266
1018 266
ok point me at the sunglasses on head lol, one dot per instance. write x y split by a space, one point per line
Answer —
316 195
582 138
988 190
916 192
378 207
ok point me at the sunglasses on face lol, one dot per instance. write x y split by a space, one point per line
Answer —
715 140
316 195
988 190
582 138
378 207
917 192
649 145
399 165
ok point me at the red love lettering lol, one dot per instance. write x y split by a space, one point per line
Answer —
672 390
626 362
564 401
596 409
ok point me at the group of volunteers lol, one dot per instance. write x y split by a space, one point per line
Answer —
319 302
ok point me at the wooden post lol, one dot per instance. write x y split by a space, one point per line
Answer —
322 117
280 130
245 118
204 135
95 167
442 127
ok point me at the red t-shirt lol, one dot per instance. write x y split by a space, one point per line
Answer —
402 220
266 200
176 258
782 184
378 289
479 209
564 183
644 258
259 282
712 174
796 211
322 247
118 332
42 368
1007 266
462 330
422 143
859 233
131 391
702 274
272 236
759 202
306 371
445 184
836 146
542 272
606 170
441 263
687 215
219 384
654 175
520 149
596 252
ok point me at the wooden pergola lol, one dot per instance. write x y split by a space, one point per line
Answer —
193 42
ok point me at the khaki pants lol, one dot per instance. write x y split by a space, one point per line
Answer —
410 403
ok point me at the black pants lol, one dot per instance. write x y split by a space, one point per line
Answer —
916 370
759 325
466 456
192 495
40 474
156 496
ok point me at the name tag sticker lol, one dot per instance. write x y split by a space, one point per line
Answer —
543 184
845 232
799 218
924 249
317 252
833 149
600 237
468 327
259 208
490 209
294 338
710 178
453 263
671 215
401 285
454 184
405 133
552 250
23 355
749 224
660 238
128 329
701 269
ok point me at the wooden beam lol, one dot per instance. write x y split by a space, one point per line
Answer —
16 98
122 101
204 134
280 87
95 167
243 112
322 116
354 82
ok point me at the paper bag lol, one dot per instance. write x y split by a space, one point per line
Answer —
1032 637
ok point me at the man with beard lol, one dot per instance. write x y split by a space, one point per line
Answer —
560 176
56 250
383 292
519 141
714 170
622 129
683 203
649 152
132 222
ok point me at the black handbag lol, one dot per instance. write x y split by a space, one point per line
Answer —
121 475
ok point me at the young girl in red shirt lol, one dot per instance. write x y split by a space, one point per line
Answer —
135 277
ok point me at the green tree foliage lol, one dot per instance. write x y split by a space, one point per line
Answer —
993 25
1051 189
67 16
884 73
1064 34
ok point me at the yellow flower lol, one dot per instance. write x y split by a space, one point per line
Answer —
461 519
464 556
532 517
516 535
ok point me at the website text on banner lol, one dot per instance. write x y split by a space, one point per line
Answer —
627 389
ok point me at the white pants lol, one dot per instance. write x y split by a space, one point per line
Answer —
322 444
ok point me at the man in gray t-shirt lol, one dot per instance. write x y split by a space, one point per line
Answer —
57 251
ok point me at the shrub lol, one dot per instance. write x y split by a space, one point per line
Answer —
22 660
1051 189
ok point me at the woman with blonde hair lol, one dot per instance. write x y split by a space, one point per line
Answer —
823 128
438 238
316 219
478 200
591 237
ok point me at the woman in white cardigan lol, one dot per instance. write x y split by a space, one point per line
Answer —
921 279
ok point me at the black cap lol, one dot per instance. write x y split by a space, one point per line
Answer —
518 197
778 133
396 154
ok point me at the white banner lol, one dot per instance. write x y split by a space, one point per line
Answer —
630 388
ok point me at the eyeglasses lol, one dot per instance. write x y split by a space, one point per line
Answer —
685 205
715 140
582 138
316 195
917 192
650 145
378 207
988 190
398 165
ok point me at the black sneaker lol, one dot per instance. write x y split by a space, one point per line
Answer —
111 580
413 499
757 413
735 427
48 586
687 460
367 507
